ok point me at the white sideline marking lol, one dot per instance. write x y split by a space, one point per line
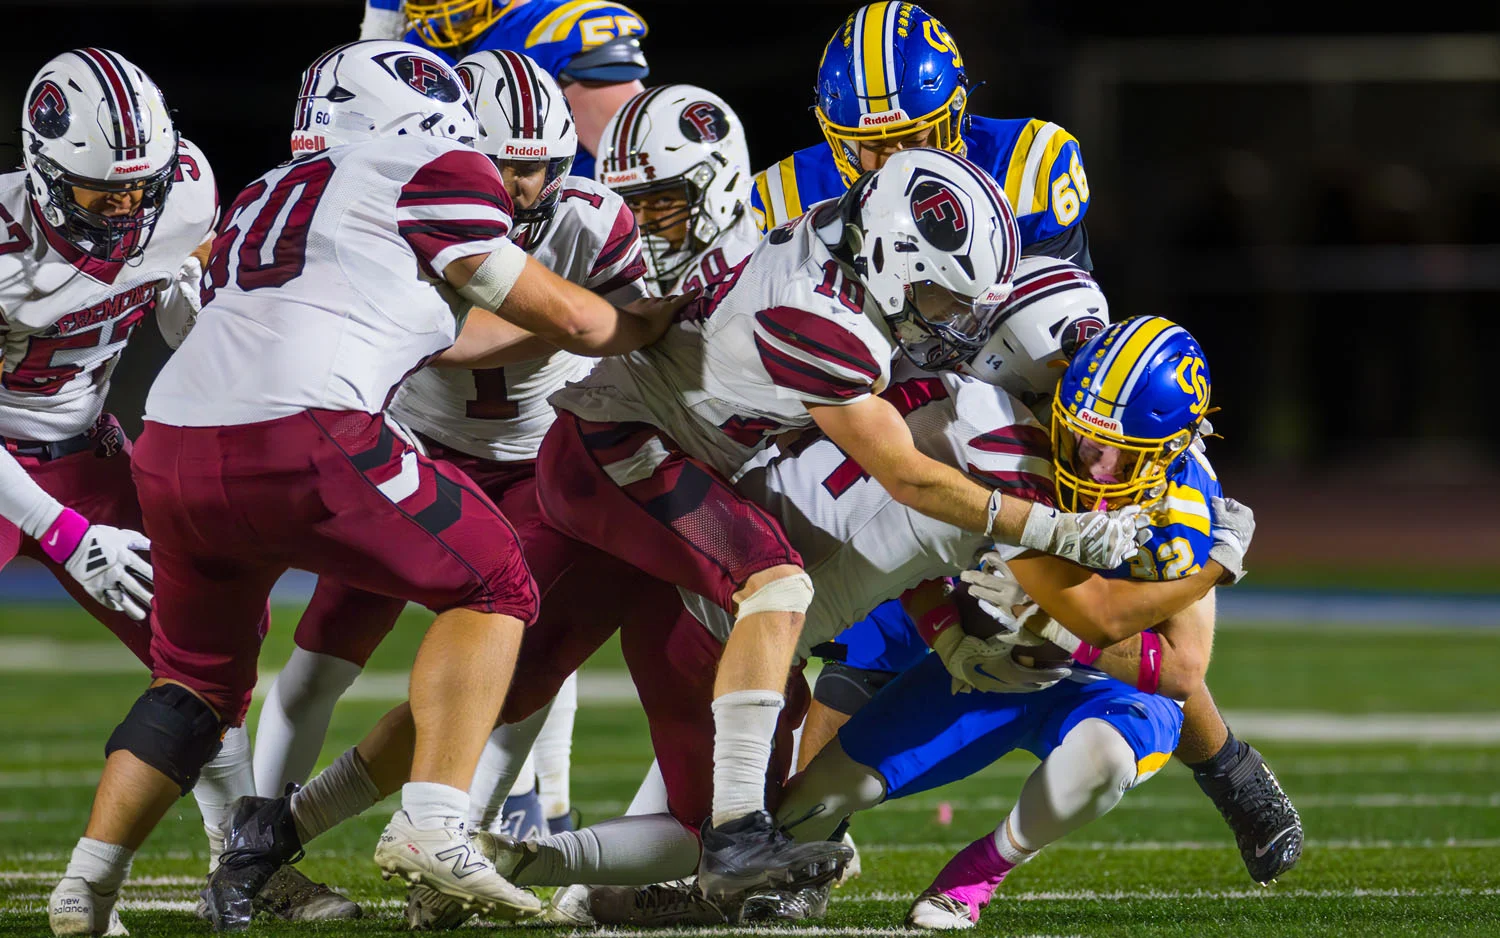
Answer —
1152 846
1269 892
1140 802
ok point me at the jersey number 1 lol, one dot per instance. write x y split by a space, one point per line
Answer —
491 400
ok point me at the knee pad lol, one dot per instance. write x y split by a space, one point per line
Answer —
787 594
171 730
846 689
1111 758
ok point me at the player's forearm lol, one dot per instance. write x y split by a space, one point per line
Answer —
940 492
22 502
1104 611
487 341
1172 672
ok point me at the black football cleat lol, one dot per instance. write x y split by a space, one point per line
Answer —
1266 826
751 853
262 837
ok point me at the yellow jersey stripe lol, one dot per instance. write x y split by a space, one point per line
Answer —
559 22
1043 183
1188 519
1107 388
1028 202
791 200
767 218
1017 167
1188 494
872 43
1151 764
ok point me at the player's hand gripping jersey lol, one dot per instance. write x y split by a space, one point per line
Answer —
861 547
65 316
502 413
789 328
323 290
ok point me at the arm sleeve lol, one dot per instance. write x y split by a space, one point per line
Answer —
22 502
454 206
814 357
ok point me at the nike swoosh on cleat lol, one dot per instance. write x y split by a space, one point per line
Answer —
1264 849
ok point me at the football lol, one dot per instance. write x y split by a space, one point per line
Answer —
1040 656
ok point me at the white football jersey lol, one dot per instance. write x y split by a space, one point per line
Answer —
502 413
324 289
717 262
860 546
744 360
65 316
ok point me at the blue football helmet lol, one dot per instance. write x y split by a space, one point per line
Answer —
1130 403
890 72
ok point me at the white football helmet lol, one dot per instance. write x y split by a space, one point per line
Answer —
935 241
523 117
678 135
378 88
93 120
1054 307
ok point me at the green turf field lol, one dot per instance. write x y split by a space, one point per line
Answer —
1403 824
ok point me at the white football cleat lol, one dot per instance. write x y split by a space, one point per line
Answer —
852 868
569 906
939 912
447 861
75 908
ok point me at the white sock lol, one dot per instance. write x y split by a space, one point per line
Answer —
744 727
101 865
432 805
1080 780
504 755
832 787
294 720
623 851
1006 845
525 782
226 777
651 797
553 751
337 793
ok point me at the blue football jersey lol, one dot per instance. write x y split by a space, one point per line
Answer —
1179 545
554 32
1037 163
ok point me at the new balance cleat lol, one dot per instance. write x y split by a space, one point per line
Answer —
262 837
292 897
751 853
656 906
76 908
1266 826
449 862
430 910
794 905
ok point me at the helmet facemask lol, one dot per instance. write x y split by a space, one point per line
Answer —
1136 465
447 24
938 329
943 127
105 237
666 260
539 214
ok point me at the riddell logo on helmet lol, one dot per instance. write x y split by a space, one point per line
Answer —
880 120
309 142
1103 423
523 151
129 168
622 179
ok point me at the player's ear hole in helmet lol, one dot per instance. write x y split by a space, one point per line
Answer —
1131 403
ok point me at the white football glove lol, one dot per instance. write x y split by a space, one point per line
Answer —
1099 539
106 564
986 665
1233 527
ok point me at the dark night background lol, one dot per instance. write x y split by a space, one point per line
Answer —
1315 194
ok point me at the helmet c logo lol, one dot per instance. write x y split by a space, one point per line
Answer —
48 111
939 215
1192 382
703 122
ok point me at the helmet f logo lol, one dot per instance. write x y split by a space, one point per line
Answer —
48 111
939 215
424 75
703 122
